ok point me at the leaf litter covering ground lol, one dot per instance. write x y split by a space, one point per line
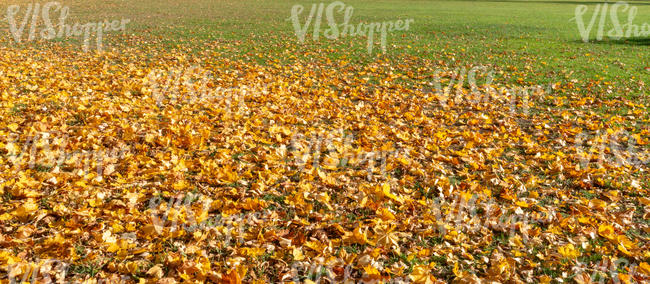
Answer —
297 166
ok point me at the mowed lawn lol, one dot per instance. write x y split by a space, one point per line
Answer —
533 41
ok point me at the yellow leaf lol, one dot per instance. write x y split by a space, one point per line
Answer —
26 208
645 201
623 250
232 277
386 191
356 237
150 230
180 185
644 268
252 252
521 203
385 214
297 254
315 246
421 274
569 251
582 278
132 267
456 270
606 231
624 278
371 271
13 127
113 247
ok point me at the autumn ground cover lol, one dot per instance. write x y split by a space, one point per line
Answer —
206 143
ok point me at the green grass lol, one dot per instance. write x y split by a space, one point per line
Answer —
530 41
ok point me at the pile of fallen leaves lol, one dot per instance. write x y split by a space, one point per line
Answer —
124 166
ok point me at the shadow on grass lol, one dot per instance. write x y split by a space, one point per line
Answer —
623 41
